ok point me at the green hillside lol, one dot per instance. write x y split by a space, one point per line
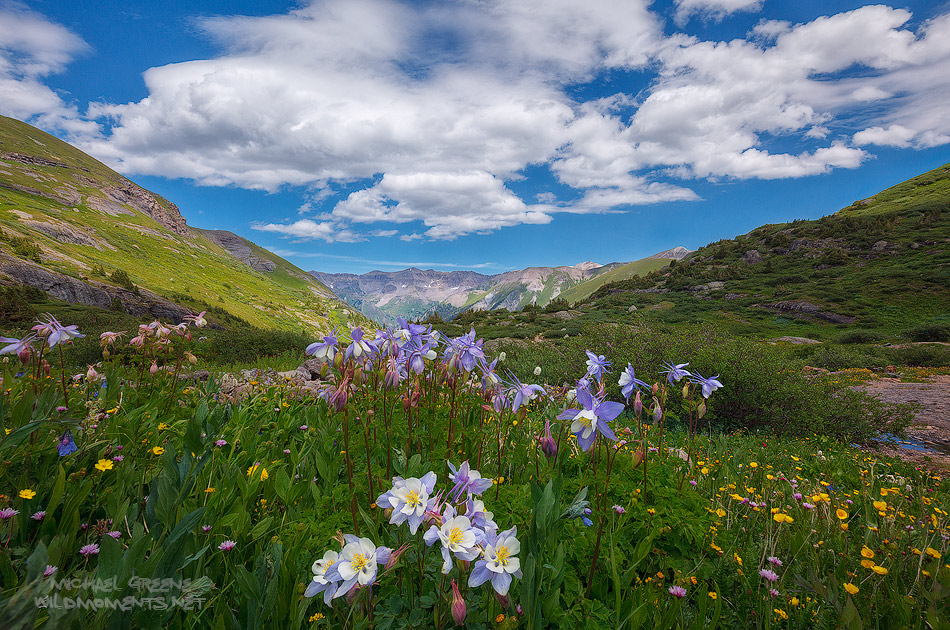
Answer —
622 272
69 224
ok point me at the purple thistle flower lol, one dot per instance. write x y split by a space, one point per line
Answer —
39 516
8 513
619 509
62 409
677 591
773 592
227 545
50 570
304 427
89 550
769 575
114 534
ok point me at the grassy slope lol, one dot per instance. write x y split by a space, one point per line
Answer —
623 272
187 269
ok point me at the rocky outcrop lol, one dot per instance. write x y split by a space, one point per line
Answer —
75 291
166 214
62 232
238 247
808 309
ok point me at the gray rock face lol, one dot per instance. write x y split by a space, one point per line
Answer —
809 309
309 370
144 201
752 257
238 247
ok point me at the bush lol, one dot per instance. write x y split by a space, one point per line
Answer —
936 331
248 344
858 336
121 278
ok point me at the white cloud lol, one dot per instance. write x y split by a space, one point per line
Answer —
893 136
714 9
32 48
306 229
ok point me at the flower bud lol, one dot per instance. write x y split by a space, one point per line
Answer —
395 555
638 457
25 355
192 359
503 600
91 374
46 367
458 605
685 390
105 353
638 404
537 370
701 409
154 369
657 413
656 388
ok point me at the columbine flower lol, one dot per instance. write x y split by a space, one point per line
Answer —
596 365
629 382
320 584
325 349
457 537
17 346
409 500
498 562
66 444
590 420
468 350
357 564
56 332
675 372
8 513
769 575
89 550
677 591
359 350
709 385
467 480
522 393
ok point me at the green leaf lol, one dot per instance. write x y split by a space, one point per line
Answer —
186 525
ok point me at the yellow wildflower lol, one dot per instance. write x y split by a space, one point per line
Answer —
27 494
851 588
158 450
879 570
867 553
104 464
841 514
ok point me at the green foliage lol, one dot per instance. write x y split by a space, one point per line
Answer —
121 278
935 331
22 246
16 302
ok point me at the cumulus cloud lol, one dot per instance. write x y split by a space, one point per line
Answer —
426 113
32 48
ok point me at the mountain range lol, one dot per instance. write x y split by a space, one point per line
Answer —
416 293
82 233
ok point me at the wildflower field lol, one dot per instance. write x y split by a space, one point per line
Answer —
422 484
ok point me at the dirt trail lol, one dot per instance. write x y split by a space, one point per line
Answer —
932 422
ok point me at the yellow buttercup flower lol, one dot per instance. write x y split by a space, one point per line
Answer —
933 553
158 450
253 470
880 505
713 595
879 570
794 601
27 494
720 512
782 518
781 613
867 553
104 464
867 563
841 514
851 588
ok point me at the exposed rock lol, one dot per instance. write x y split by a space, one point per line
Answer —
144 201
809 309
31 160
633 307
238 247
734 296
709 286
752 257
798 341
309 370
64 233
55 284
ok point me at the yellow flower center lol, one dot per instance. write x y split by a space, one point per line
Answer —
503 554
455 536
359 561
412 499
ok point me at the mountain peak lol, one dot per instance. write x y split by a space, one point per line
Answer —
677 253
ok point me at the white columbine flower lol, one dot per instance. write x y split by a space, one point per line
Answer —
456 535
320 583
357 564
409 500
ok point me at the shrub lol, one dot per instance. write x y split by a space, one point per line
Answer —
934 331
858 336
121 278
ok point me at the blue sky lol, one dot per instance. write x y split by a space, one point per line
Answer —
351 135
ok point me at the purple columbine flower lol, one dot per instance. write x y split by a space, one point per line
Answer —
56 332
325 349
358 563
227 545
39 516
769 575
319 583
498 562
592 419
629 382
468 350
522 393
8 513
677 591
89 550
16 346
709 385
467 480
675 372
596 365
358 350
409 500
457 536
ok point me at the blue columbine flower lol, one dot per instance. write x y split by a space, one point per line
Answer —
467 480
592 419
358 563
675 372
596 365
320 584
358 349
709 385
499 562
325 349
409 500
629 382
521 393
66 444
